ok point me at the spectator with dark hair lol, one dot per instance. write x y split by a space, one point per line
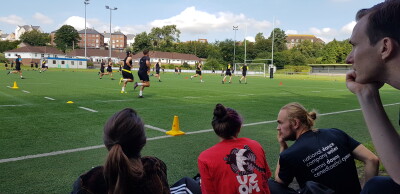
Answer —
325 156
375 59
234 165
125 170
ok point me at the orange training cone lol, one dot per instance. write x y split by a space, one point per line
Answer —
175 131
280 83
15 86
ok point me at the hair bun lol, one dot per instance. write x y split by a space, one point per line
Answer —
220 111
313 115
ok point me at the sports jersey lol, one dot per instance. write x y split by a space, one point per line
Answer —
142 63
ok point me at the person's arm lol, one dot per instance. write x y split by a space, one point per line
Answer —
282 147
384 136
148 66
370 160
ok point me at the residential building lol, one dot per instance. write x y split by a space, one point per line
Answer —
294 39
119 40
10 37
52 37
130 39
96 55
168 58
33 53
94 39
26 28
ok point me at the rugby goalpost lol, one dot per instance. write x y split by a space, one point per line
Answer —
255 69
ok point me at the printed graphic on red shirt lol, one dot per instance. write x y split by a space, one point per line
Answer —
243 163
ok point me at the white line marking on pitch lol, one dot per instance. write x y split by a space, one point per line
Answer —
8 86
88 109
315 91
155 128
150 139
12 105
48 98
26 91
191 97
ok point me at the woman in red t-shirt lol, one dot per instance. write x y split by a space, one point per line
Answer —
234 165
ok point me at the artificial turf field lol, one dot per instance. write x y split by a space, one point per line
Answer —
35 119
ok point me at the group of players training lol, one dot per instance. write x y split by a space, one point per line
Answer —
144 71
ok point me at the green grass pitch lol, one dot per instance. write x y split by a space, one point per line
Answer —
31 123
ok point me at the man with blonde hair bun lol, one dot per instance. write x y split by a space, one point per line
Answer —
323 156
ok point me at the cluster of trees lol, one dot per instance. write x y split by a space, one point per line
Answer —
218 54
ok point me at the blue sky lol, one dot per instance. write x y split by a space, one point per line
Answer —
209 19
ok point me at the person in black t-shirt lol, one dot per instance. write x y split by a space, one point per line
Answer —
18 63
199 67
102 66
157 67
325 156
244 73
143 73
227 73
126 71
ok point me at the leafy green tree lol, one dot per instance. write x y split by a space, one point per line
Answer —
66 37
142 41
226 50
35 38
164 37
8 45
279 40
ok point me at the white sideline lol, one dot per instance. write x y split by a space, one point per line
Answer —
88 109
155 138
155 128
48 98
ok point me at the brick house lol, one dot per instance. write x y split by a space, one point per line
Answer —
94 39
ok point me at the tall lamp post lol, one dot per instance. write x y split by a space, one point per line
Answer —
235 28
86 2
110 43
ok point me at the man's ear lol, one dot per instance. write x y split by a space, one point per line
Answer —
296 123
388 48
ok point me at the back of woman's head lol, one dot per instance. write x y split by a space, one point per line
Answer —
297 111
226 122
124 137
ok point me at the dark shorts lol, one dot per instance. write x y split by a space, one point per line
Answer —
109 69
101 70
18 68
157 71
228 72
127 75
198 72
143 76
244 73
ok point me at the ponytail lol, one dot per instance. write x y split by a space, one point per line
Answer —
120 171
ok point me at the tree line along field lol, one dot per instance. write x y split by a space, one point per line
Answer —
32 123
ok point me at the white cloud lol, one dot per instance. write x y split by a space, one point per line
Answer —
13 19
77 22
42 18
348 28
195 22
328 34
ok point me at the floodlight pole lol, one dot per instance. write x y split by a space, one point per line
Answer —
86 2
110 43
235 28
